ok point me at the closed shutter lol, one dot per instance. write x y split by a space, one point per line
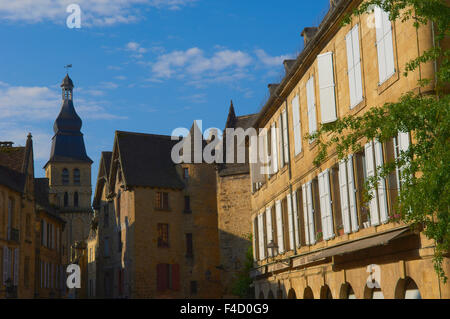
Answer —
296 125
370 167
296 219
161 274
305 214
285 136
280 234
5 264
176 277
290 223
354 66
280 140
262 250
381 187
326 87
269 228
343 187
325 205
16 266
311 101
312 235
274 149
385 48
352 194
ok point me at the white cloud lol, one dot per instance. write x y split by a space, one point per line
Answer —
271 61
94 12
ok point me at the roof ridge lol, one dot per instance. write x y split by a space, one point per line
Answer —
144 134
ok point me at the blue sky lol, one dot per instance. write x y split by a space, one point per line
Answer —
142 65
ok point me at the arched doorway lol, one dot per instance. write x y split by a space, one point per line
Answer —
325 293
407 289
291 294
375 293
279 294
270 295
308 293
347 292
261 295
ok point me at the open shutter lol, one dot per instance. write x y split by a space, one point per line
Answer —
285 136
296 125
343 188
280 141
296 219
325 205
370 167
176 277
350 68
274 148
266 154
280 234
388 45
311 101
382 195
254 238
385 48
305 214
311 212
354 66
380 45
5 264
16 266
269 228
290 223
352 194
326 87
262 250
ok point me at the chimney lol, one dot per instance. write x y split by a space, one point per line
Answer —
272 88
308 34
6 144
288 64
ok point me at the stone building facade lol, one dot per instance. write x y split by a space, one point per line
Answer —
314 235
69 173
159 216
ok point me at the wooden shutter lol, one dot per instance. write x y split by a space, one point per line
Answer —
269 228
385 48
352 194
176 277
326 87
325 205
381 187
311 101
285 136
280 140
161 274
16 266
254 238
280 235
290 223
403 146
305 213
262 254
296 219
370 167
266 154
296 125
343 188
274 148
354 66
5 264
311 212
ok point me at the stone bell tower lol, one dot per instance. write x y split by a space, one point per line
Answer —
69 173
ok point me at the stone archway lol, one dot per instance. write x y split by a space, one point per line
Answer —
407 289
325 292
292 294
347 292
308 293
374 293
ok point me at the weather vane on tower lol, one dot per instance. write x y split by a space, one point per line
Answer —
67 67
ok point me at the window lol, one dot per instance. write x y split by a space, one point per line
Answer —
106 215
255 239
194 287
261 237
163 235
26 272
76 176
354 67
280 143
167 277
326 87
348 196
119 241
189 246
279 222
270 229
311 101
385 47
186 173
288 231
326 209
162 201
10 217
106 247
187 204
308 210
296 124
65 176
75 199
66 199
274 148
285 138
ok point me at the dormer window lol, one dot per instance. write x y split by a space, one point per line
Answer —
76 176
65 176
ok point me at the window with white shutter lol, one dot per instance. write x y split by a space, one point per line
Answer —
290 221
280 233
343 190
280 143
305 214
352 194
325 205
285 136
401 144
381 187
262 250
310 236
269 229
273 135
370 171
326 87
311 102
354 67
254 238
296 219
295 105
385 47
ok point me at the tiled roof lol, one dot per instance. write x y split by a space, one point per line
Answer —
12 179
12 157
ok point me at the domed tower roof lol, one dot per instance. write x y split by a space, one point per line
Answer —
67 143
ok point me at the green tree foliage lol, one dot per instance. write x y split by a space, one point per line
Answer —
243 282
424 199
